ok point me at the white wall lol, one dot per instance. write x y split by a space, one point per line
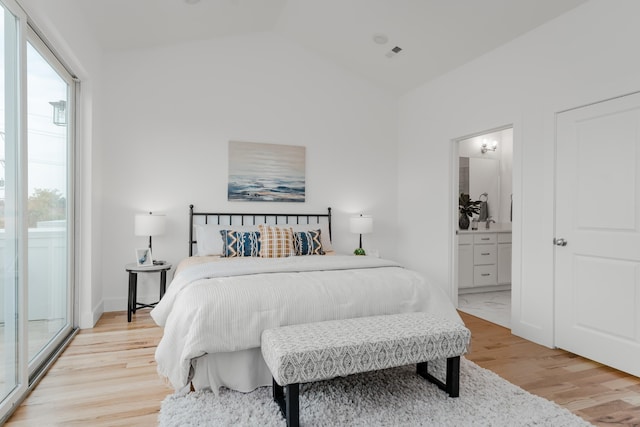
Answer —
172 110
65 30
583 56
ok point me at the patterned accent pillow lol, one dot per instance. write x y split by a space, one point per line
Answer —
307 242
275 242
240 243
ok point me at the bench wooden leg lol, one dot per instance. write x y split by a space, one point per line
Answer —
287 398
453 376
278 393
452 385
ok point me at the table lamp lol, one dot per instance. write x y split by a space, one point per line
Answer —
150 225
362 224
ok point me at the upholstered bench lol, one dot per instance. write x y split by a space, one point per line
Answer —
322 350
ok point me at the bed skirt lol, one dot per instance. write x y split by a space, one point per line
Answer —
243 370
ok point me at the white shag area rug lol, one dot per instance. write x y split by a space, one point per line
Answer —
392 397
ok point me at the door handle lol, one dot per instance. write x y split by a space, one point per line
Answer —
559 242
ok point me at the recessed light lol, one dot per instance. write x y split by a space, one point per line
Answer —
380 38
191 1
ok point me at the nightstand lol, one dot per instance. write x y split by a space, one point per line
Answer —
133 269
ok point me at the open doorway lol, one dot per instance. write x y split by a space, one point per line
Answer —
485 164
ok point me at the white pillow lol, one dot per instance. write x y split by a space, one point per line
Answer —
209 239
324 233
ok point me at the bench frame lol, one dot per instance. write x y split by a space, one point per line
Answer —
288 397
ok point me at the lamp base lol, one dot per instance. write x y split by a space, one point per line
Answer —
359 251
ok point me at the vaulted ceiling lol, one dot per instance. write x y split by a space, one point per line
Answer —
435 36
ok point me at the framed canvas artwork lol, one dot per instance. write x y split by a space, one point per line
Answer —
266 172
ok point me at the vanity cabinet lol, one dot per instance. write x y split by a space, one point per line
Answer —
484 259
504 258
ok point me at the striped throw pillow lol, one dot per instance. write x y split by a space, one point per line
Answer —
307 242
275 242
240 243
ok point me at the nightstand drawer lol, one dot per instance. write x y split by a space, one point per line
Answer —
485 275
485 254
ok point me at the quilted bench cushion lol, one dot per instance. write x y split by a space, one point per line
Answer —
322 350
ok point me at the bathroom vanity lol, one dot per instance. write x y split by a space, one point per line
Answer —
484 258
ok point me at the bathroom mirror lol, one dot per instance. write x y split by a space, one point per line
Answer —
485 166
482 181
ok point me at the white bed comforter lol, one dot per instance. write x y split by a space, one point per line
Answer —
224 306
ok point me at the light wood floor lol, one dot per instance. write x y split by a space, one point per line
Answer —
597 393
107 377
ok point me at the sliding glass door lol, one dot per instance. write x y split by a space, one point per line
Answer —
49 201
36 206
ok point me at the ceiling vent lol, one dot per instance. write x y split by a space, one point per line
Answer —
393 52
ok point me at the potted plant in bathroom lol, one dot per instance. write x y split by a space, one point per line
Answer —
467 208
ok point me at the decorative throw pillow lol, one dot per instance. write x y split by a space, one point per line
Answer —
240 243
275 242
324 236
308 242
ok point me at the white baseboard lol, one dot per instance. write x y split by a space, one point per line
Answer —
89 319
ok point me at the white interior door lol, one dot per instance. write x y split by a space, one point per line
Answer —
597 274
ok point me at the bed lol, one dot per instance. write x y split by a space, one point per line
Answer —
247 272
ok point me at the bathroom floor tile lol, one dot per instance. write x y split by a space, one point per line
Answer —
492 306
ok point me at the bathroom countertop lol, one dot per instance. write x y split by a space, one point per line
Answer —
495 228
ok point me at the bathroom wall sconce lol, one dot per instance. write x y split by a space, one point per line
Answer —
486 146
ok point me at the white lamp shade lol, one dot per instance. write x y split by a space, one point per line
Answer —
149 224
362 224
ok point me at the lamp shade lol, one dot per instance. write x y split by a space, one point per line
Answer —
362 224
149 224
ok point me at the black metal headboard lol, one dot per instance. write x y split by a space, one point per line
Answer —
254 218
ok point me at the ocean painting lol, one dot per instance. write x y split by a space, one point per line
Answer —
266 172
